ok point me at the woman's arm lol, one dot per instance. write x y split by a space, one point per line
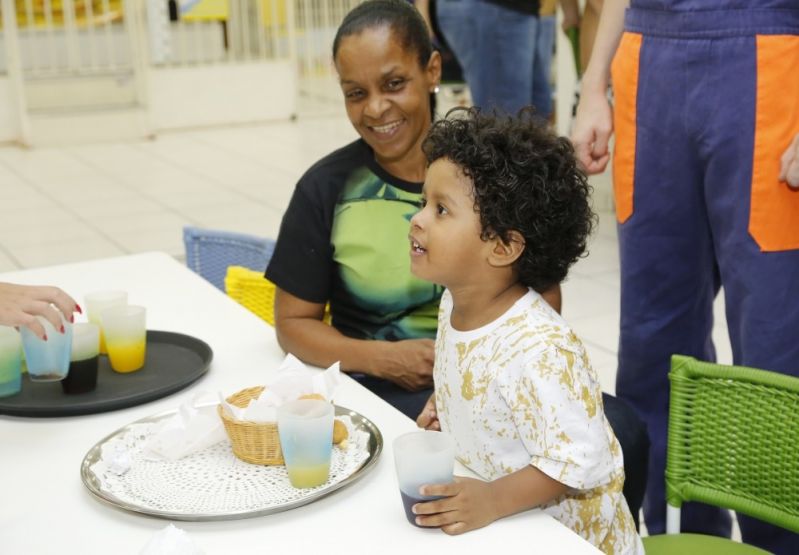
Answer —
468 504
300 331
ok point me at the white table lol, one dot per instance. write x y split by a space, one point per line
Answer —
44 507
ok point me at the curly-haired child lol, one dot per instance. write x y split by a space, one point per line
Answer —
505 213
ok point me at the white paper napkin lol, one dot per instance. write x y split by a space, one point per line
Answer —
190 430
293 381
171 541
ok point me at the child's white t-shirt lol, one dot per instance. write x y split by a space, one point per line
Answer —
521 391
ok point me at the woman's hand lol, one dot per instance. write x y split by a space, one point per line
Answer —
428 418
789 164
467 504
408 363
593 126
20 304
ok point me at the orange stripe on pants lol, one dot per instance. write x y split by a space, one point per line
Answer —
624 72
774 216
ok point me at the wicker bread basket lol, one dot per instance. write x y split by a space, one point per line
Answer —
253 442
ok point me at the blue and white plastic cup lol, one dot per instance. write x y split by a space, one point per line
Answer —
422 457
48 361
10 362
305 428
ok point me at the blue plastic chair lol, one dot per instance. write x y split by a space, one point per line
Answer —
209 252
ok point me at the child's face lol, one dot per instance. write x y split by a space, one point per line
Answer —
446 247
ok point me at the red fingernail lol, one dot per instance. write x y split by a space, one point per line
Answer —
71 319
45 337
62 328
79 309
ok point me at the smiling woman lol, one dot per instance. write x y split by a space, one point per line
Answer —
343 239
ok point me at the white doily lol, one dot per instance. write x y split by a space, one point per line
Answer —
213 481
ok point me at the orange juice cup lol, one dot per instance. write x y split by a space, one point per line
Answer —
99 301
125 337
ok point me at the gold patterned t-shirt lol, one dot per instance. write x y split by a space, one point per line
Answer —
520 391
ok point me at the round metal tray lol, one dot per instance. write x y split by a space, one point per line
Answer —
94 485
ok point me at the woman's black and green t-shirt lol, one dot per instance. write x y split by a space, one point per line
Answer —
344 239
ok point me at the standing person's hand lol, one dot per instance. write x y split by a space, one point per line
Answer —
20 304
428 418
409 363
593 126
789 164
571 14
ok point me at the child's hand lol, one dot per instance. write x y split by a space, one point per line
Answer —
468 504
428 418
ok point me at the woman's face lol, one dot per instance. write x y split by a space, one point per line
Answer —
387 94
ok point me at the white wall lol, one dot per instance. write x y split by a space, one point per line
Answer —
221 94
9 123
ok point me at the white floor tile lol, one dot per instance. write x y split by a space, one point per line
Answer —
123 224
602 330
15 222
43 234
61 253
169 241
585 297
7 264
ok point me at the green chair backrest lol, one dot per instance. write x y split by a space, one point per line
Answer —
734 440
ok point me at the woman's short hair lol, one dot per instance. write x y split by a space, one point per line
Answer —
402 18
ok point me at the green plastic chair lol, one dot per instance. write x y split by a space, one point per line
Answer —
734 443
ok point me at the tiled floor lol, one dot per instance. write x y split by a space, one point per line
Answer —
67 204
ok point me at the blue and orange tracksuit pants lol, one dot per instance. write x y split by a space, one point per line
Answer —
706 102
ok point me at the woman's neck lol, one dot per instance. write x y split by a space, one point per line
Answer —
475 306
410 168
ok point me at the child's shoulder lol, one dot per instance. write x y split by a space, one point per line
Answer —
544 325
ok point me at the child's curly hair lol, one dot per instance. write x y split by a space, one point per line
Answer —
525 179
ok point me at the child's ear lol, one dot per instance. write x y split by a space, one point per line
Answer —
505 253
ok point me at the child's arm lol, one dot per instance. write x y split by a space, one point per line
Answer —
428 418
470 504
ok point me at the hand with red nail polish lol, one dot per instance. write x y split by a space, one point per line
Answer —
21 304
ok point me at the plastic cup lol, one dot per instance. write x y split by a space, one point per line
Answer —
10 362
305 428
125 337
48 361
422 457
99 301
82 376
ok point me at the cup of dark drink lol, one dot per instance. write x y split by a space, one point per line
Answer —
82 376
422 457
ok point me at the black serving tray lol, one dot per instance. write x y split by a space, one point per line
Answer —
173 362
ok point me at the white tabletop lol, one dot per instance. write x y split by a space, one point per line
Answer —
44 507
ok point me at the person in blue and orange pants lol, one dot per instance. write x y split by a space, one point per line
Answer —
705 176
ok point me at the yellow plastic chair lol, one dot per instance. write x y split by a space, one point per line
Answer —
254 292
734 443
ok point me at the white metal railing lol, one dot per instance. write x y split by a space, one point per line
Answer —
316 22
55 51
70 37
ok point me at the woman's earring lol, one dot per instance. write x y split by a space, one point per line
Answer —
436 89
